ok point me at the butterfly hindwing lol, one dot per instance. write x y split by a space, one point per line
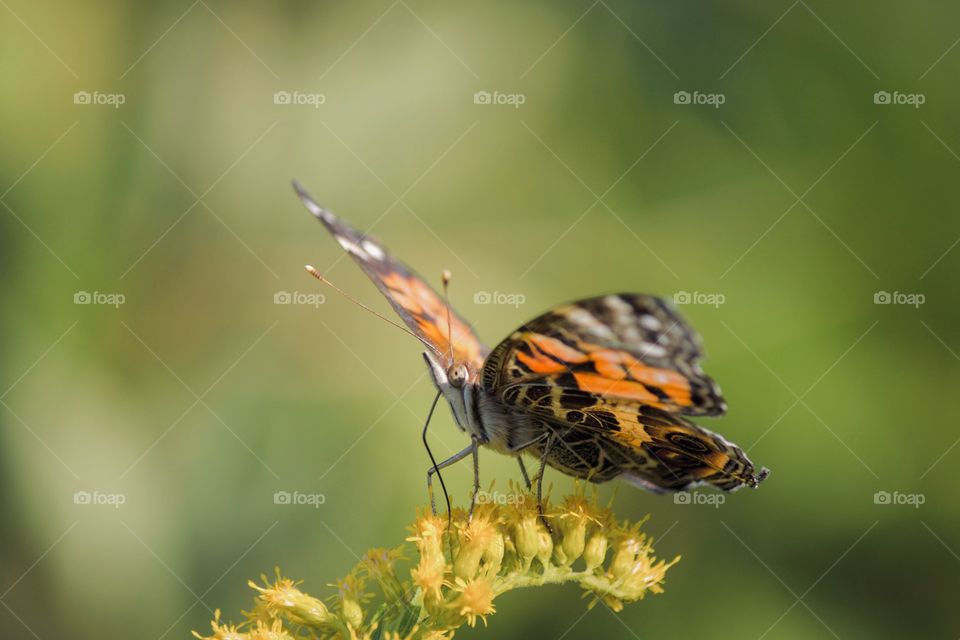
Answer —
415 301
599 438
609 379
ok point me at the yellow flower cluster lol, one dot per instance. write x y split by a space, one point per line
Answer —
463 565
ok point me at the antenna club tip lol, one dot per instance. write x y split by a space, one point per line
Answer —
312 271
446 275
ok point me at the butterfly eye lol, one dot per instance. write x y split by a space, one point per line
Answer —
457 375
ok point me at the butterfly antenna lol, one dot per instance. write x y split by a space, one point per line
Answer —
436 468
446 300
319 276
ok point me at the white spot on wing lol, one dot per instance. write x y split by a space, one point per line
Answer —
373 250
650 349
352 247
624 319
650 323
588 322
317 210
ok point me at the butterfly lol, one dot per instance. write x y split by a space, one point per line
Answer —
598 389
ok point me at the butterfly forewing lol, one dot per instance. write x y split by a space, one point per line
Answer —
628 346
415 301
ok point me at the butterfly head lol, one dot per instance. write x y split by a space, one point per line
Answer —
457 382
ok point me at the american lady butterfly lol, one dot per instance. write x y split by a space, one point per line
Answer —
598 389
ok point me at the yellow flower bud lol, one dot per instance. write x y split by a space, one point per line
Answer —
574 532
545 547
493 555
625 557
352 612
526 538
595 551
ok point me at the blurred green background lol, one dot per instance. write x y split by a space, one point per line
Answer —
795 203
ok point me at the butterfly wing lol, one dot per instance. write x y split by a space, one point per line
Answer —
629 346
415 301
610 379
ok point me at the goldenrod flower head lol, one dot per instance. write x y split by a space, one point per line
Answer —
475 599
221 631
460 569
429 577
282 597
428 528
428 533
351 593
476 536
379 563
575 513
524 528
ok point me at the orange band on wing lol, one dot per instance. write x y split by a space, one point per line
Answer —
539 363
672 383
430 313
622 388
618 365
557 348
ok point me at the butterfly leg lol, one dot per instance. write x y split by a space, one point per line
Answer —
472 448
523 472
476 477
543 467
